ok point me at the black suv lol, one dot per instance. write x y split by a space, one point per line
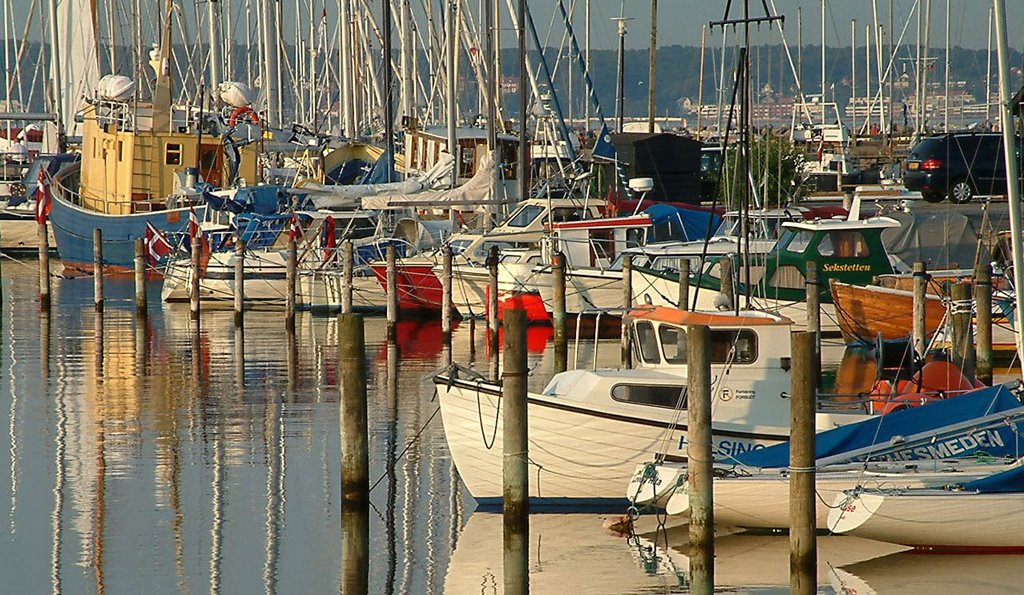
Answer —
958 165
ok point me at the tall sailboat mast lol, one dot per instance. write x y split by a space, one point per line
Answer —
55 77
1012 171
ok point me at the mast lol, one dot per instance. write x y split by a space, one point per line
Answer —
822 63
451 111
162 90
389 84
945 120
652 69
988 72
406 59
924 65
620 76
55 77
345 68
524 164
853 74
271 58
586 52
490 51
1012 173
213 18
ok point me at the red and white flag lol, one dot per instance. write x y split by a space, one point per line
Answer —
295 231
43 204
157 246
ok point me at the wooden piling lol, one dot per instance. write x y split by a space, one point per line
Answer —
141 302
813 287
291 274
515 467
920 301
392 290
728 288
700 459
347 270
802 541
961 346
684 284
355 460
97 269
983 321
492 299
239 281
627 304
44 267
446 294
196 250
558 314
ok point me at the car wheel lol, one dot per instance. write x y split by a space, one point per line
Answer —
961 192
933 196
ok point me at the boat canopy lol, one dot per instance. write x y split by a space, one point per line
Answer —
1010 481
671 223
890 432
712 319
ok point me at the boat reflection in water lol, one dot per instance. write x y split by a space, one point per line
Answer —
926 574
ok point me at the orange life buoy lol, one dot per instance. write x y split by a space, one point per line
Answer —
244 110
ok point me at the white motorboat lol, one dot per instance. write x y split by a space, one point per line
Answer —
590 428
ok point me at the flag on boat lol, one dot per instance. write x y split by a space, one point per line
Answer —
294 230
43 204
603 146
327 239
157 245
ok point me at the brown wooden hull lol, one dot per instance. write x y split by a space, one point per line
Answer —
865 312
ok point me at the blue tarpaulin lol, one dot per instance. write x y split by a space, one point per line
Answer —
999 440
382 172
1000 483
672 223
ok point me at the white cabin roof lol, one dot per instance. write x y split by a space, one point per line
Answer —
843 224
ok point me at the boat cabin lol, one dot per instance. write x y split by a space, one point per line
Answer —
597 242
423 148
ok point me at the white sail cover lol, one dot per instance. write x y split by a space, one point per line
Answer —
79 62
340 197
472 193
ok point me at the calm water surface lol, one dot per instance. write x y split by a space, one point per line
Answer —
163 457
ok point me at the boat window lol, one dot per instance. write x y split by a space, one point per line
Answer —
459 246
844 244
173 154
729 227
800 241
651 394
787 277
563 214
647 342
525 216
673 342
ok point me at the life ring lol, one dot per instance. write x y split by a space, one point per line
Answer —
244 110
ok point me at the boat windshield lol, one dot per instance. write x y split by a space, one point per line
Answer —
763 228
525 216
459 246
728 346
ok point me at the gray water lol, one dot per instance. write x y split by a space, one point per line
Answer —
158 457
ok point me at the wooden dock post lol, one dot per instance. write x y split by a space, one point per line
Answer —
392 290
983 321
684 284
347 271
239 281
290 278
196 251
97 269
355 461
961 346
558 314
700 459
803 562
44 267
492 300
446 294
920 300
515 457
627 304
728 288
141 301
813 287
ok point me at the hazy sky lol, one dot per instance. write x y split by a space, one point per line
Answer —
680 21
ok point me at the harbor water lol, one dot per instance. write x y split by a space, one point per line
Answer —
156 455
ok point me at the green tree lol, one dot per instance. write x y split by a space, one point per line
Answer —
775 164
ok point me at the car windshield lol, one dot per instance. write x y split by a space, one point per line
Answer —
927 148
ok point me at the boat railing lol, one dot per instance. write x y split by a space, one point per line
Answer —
873 404
118 113
596 313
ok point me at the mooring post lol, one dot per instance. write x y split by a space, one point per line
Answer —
196 250
44 267
239 281
962 340
291 273
141 305
627 304
355 461
813 287
392 289
920 301
684 284
803 561
728 289
492 300
347 270
446 294
983 321
700 459
515 468
97 269
558 314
